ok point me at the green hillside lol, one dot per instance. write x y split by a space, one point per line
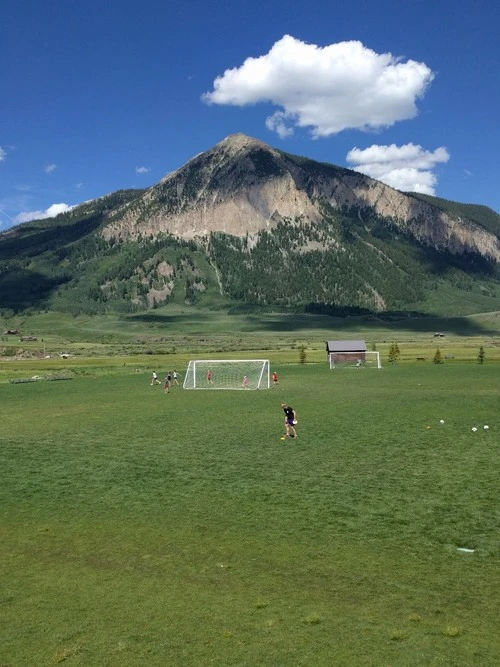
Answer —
342 265
66 265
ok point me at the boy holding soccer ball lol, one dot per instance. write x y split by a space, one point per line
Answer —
290 421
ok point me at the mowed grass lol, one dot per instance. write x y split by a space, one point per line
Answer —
139 528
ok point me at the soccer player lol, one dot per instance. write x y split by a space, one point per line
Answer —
154 379
275 378
290 421
168 380
175 375
245 381
209 376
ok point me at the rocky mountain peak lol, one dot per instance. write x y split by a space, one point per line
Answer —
243 186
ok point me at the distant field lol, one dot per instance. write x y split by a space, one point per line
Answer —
181 333
145 529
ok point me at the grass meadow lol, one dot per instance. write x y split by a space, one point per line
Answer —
139 528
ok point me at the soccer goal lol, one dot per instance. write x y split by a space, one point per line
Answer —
228 374
355 360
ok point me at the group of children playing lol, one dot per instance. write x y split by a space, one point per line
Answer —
170 379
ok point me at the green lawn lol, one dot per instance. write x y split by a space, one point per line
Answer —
139 528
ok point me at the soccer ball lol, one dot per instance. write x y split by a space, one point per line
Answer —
486 427
474 428
294 422
282 437
441 421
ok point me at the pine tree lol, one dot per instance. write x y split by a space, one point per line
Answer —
438 358
394 353
302 354
481 356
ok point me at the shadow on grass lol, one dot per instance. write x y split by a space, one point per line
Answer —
289 322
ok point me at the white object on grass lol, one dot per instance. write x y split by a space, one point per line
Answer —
474 428
441 421
486 427
227 374
465 550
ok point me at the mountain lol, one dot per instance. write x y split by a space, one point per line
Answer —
243 186
245 225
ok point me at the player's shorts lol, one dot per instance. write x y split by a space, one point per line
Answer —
289 421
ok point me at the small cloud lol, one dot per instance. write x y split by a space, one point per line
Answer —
278 123
142 170
467 173
48 169
3 154
328 89
408 168
79 186
50 212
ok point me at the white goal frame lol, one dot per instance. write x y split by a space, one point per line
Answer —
257 372
367 359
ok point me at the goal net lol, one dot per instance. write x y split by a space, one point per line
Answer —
355 360
232 374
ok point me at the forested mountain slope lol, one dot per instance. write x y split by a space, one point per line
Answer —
246 225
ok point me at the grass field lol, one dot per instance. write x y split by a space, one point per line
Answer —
140 528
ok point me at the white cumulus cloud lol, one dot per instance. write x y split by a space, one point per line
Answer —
142 170
50 212
327 89
408 168
48 169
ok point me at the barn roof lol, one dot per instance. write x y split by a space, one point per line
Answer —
346 346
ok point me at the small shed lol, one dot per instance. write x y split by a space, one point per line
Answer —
351 347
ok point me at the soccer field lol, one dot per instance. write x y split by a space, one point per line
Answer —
140 528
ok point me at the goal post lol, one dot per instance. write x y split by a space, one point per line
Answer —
228 374
355 360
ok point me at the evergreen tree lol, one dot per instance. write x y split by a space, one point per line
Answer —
394 353
438 358
481 356
302 354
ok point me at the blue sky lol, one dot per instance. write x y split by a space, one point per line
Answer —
101 96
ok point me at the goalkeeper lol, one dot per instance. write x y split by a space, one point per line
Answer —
290 420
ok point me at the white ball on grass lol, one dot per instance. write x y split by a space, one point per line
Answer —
474 428
441 421
486 427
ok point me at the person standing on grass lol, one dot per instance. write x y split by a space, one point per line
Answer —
209 376
166 386
290 421
245 381
154 379
175 375
275 378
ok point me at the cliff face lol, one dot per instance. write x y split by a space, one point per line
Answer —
242 186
